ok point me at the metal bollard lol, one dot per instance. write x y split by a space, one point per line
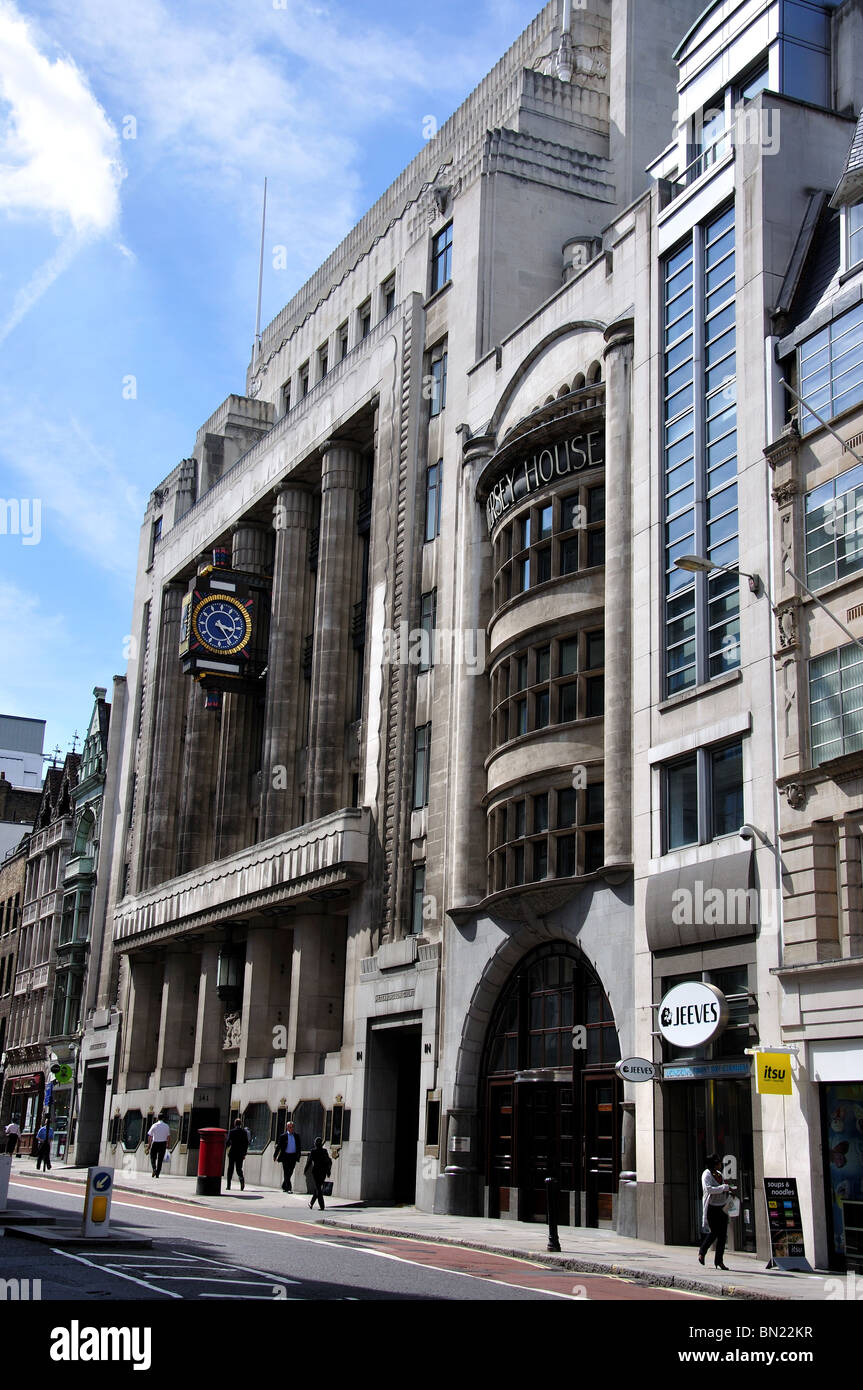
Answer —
551 1207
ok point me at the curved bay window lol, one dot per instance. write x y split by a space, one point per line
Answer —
560 535
551 1094
549 834
555 682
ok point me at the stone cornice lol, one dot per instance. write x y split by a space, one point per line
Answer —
784 447
329 855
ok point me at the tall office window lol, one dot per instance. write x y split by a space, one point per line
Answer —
836 703
433 492
831 369
805 29
834 528
422 763
441 259
701 611
428 612
438 381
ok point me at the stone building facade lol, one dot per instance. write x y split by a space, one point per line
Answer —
434 754
324 873
816 468
28 1050
12 873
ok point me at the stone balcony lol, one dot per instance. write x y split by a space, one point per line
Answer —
304 866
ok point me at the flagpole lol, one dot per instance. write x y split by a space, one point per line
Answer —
260 277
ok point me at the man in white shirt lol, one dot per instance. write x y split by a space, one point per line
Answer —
13 1130
158 1134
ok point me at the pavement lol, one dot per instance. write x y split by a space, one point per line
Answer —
583 1249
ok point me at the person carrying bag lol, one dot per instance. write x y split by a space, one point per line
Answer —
320 1165
716 1196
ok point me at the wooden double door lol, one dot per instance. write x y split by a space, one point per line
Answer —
568 1130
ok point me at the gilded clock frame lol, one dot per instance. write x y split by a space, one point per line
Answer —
241 609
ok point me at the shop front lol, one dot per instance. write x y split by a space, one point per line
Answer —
837 1066
23 1097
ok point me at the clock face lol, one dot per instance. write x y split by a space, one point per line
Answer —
222 623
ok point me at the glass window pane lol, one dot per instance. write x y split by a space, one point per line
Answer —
727 774
568 656
681 804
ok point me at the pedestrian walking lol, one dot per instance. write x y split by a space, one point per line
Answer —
715 1195
289 1147
13 1132
44 1135
320 1165
158 1135
238 1147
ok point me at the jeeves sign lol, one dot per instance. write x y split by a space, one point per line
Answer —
692 1014
555 461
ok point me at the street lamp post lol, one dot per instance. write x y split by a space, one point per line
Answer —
699 564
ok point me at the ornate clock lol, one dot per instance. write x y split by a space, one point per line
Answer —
221 623
223 630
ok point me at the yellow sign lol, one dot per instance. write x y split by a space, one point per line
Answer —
773 1073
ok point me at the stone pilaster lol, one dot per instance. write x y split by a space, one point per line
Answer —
284 725
266 999
242 721
141 1024
209 1067
332 690
470 710
170 694
317 992
178 1017
618 594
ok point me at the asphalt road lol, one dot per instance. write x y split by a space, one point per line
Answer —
199 1257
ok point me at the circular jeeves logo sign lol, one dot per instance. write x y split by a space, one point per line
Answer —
692 1014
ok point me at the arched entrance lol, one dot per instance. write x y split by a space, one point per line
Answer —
550 1094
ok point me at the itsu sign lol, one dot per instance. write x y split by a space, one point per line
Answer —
692 1014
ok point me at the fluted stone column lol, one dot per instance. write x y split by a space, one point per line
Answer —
172 691
471 697
197 820
242 717
293 515
618 594
178 1017
337 591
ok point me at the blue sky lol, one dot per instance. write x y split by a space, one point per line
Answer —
134 141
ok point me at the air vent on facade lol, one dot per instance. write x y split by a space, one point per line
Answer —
855 612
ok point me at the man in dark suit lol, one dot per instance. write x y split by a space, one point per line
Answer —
288 1148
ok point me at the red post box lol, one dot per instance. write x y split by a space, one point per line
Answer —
211 1156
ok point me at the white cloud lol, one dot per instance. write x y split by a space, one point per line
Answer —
58 152
87 501
58 155
227 91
